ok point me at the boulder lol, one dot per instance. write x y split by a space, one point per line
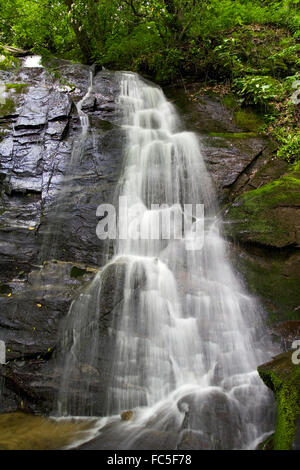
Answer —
282 376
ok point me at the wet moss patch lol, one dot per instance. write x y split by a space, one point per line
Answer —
21 431
5 289
8 107
267 215
77 272
283 378
17 87
233 135
275 278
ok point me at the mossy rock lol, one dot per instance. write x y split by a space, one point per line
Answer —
274 277
233 135
7 108
126 415
282 376
267 444
17 87
268 215
244 117
5 289
77 272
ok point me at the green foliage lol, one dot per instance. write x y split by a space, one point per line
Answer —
283 377
258 89
135 49
7 60
165 38
286 58
250 44
39 25
164 65
290 145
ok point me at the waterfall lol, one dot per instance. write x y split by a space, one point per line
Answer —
167 332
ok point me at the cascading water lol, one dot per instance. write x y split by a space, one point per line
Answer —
177 336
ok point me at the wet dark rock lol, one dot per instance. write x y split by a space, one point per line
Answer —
29 322
122 436
217 415
41 124
35 154
287 332
194 440
274 277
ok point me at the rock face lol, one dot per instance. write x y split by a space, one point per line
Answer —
41 220
282 376
266 221
270 214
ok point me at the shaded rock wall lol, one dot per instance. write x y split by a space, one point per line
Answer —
40 128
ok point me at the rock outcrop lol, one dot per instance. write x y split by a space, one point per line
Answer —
40 128
282 376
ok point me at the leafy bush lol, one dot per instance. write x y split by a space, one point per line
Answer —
290 145
258 89
164 65
130 51
7 60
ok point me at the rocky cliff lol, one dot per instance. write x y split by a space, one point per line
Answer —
40 128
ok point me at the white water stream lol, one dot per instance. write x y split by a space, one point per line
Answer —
187 336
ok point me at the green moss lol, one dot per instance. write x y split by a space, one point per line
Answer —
276 280
8 107
257 215
230 101
5 289
248 119
245 118
233 135
283 377
267 444
18 87
77 272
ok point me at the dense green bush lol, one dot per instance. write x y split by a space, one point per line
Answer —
258 89
289 149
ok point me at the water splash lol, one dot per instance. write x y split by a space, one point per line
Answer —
32 61
180 337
